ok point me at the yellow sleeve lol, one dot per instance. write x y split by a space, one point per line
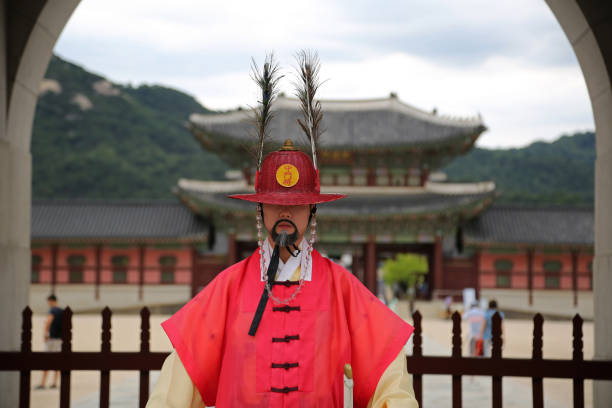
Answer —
174 388
394 389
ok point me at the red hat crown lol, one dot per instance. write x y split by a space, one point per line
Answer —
287 170
287 177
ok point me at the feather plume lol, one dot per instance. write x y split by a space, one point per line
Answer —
306 89
267 80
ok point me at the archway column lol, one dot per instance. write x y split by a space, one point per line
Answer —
28 34
15 198
15 180
602 276
587 25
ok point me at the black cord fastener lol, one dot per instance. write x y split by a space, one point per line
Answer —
285 339
286 366
285 308
284 390
285 283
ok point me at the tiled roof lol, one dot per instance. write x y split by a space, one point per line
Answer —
532 225
358 204
125 219
405 203
349 124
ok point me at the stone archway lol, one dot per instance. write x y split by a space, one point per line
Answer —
28 34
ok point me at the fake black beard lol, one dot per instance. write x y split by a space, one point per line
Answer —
280 240
284 239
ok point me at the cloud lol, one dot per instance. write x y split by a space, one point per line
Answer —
508 60
468 31
519 102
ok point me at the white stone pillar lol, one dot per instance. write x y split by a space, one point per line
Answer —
14 235
589 55
15 181
16 116
602 284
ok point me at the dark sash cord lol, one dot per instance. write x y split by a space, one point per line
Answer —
264 296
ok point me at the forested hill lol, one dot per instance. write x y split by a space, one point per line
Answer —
97 139
561 172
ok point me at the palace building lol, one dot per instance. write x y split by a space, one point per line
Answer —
385 155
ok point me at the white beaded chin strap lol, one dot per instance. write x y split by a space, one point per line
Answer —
264 273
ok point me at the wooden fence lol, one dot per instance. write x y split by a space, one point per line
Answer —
144 361
496 367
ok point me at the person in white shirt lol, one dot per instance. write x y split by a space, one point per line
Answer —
475 318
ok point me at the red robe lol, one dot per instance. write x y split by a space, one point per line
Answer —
296 359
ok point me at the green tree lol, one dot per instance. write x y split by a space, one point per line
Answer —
408 269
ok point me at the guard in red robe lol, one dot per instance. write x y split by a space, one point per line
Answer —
277 328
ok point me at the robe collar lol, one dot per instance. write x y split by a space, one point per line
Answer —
285 270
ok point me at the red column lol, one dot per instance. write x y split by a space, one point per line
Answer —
357 267
477 262
530 275
98 267
371 177
54 249
247 175
575 276
141 270
438 279
232 250
370 277
424 176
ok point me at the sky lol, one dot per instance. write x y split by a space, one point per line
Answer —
507 60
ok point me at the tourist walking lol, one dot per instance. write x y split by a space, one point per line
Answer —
475 318
448 301
487 335
53 337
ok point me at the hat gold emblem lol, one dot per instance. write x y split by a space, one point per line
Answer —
287 175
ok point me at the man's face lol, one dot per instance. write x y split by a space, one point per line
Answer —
298 214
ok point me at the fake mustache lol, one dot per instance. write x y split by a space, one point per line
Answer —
284 239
